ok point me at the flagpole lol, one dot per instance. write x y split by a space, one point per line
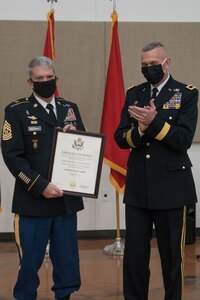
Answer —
0 199
117 248
51 56
114 5
117 215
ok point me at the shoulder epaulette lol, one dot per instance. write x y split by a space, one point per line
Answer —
60 98
190 87
130 87
19 101
63 99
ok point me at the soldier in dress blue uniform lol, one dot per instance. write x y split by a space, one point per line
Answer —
42 212
159 183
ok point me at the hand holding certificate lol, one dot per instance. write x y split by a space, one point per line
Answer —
77 158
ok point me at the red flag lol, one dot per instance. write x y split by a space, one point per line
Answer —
114 97
49 49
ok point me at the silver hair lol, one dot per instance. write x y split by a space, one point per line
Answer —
151 46
40 61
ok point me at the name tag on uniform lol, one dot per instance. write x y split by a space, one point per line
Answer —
34 128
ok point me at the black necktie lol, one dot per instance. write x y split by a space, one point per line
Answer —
154 93
51 113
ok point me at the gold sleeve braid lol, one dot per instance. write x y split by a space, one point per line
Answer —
129 140
163 132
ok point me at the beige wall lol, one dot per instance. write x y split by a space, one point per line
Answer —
82 50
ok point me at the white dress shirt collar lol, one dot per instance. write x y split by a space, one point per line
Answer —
161 85
44 103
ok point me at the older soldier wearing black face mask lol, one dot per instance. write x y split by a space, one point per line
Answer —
157 123
42 211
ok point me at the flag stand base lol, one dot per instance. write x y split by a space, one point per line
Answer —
117 248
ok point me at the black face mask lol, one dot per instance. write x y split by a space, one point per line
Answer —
44 89
153 74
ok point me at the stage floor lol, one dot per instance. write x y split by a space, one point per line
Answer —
101 274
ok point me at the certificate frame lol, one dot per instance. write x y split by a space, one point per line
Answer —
76 162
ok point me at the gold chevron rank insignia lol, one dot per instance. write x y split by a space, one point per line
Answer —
7 131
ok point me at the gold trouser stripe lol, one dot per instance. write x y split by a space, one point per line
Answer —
163 132
128 138
183 249
17 236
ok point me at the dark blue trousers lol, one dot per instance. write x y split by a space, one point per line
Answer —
32 235
170 232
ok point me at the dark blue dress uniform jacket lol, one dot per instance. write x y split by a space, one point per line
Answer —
26 147
159 170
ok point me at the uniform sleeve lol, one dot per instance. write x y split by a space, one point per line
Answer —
80 125
178 135
14 154
127 134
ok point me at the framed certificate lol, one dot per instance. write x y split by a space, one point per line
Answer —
76 162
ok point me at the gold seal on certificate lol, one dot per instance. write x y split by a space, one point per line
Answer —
76 162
